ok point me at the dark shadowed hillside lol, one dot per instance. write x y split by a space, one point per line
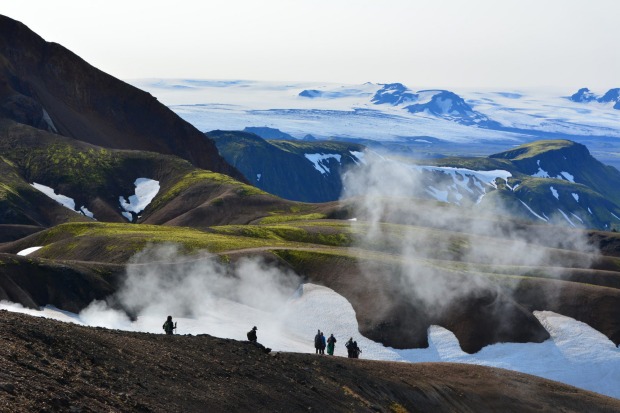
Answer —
46 86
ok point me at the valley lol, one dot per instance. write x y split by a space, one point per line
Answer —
117 210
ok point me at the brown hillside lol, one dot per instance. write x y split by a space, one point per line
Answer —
52 366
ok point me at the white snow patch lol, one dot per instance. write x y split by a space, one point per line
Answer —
615 216
127 215
567 218
29 251
258 176
580 220
576 196
555 193
568 176
318 158
146 190
61 199
360 156
590 211
541 173
86 212
438 194
532 211
352 219
575 354
48 120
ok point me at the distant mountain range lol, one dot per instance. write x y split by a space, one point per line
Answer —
419 123
549 181
584 95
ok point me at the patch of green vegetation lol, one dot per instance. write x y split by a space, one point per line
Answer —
530 150
76 240
397 408
274 219
287 233
82 168
199 176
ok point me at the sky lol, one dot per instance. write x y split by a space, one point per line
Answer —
423 43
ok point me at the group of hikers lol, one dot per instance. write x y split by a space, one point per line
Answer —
320 343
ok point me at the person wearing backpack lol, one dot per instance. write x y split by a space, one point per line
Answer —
169 326
252 338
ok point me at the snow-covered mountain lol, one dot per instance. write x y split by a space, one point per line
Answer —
584 95
418 120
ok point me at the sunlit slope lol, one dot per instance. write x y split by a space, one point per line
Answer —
95 178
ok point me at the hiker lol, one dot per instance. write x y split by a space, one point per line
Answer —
317 342
252 335
169 326
252 338
356 350
331 342
350 348
322 343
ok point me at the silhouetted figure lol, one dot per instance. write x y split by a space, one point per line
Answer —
317 342
252 338
252 335
323 344
331 343
169 326
353 350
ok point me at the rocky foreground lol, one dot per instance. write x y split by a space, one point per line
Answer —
53 366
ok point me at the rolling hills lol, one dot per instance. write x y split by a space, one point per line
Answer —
404 260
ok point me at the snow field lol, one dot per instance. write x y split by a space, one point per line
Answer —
576 354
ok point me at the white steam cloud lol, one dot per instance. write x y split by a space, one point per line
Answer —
475 234
160 281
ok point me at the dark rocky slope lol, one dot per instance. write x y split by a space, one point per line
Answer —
50 366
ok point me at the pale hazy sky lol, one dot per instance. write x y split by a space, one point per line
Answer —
438 43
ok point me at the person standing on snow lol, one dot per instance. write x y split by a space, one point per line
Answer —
322 343
350 348
317 342
169 326
331 343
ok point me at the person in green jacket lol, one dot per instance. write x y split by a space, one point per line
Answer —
331 343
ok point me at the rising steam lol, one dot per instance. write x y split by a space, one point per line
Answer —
162 281
478 234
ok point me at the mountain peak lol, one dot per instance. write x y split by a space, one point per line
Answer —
393 94
583 95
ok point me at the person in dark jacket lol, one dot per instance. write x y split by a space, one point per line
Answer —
317 342
169 326
252 338
252 335
331 344
323 344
